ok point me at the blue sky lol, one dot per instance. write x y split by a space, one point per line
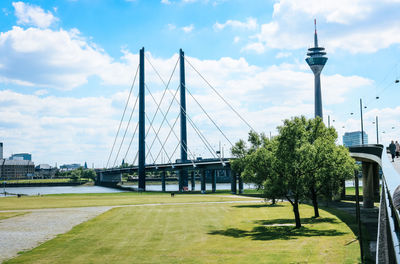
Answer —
66 68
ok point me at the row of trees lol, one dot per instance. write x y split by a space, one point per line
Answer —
79 173
301 163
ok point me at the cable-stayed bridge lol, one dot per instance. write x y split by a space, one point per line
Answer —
154 151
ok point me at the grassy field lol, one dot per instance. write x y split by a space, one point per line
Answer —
27 181
352 190
4 215
202 233
95 199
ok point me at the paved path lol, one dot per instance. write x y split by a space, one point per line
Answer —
39 225
396 164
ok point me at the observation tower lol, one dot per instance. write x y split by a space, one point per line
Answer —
316 60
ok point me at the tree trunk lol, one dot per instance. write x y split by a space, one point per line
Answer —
296 213
273 201
314 201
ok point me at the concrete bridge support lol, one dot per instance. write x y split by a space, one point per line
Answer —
233 181
370 180
193 180
203 181
240 184
214 180
163 181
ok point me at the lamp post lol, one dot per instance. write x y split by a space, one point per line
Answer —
362 124
377 129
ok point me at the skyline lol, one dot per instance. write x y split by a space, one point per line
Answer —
66 68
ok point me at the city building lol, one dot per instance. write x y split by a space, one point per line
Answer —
21 156
16 169
68 167
43 171
316 60
1 150
354 138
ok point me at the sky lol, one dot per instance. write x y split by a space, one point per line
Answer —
67 68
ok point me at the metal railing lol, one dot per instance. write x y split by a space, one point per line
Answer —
387 248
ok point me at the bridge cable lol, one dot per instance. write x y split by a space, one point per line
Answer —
165 141
165 89
190 121
126 129
136 156
123 115
156 136
151 155
130 143
209 117
220 96
197 130
162 122
187 150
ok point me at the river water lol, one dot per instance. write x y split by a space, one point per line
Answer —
100 189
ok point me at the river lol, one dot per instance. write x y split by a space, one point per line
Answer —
100 189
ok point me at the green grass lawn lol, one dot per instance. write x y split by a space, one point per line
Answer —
202 233
352 190
25 181
5 215
96 199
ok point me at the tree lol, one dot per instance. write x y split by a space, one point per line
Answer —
302 162
241 152
76 175
260 169
327 165
89 174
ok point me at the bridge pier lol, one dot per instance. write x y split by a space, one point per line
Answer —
370 182
203 181
214 180
163 181
193 180
240 184
233 181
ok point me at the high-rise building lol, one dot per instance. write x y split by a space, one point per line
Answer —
1 150
354 138
316 60
21 156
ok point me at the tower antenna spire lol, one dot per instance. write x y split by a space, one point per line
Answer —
315 34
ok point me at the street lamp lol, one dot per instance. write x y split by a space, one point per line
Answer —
362 124
377 130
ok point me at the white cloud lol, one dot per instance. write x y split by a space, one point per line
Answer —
283 55
166 2
250 24
256 47
349 26
340 11
188 29
236 39
33 15
57 59
171 26
41 92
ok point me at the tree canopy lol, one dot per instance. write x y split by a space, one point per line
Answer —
302 163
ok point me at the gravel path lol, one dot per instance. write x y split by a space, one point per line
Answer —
30 230
39 225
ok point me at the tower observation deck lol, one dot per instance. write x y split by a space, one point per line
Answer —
316 60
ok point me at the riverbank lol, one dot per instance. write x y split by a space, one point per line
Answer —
43 182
